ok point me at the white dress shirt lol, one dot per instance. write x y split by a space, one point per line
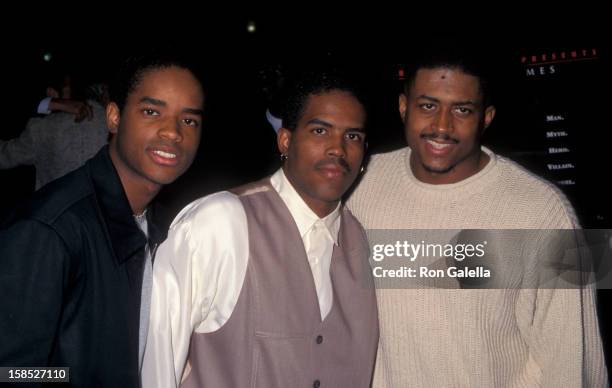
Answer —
200 268
318 234
43 106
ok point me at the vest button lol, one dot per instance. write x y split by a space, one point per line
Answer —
319 339
316 384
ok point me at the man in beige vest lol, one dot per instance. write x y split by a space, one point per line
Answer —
269 285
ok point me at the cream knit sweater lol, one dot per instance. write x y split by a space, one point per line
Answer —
477 338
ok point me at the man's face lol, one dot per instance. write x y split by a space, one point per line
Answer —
325 151
158 132
444 118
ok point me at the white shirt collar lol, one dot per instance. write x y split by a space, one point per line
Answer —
303 215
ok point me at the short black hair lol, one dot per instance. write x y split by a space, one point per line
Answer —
311 83
469 60
134 67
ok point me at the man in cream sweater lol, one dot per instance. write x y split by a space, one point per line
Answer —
445 179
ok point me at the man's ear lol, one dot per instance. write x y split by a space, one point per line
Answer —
403 106
283 139
489 115
113 117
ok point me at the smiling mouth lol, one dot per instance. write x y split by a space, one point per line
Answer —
164 158
439 146
166 155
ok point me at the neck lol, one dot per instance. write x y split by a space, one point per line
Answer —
138 190
139 196
322 210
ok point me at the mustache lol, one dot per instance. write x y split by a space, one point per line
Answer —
340 162
434 136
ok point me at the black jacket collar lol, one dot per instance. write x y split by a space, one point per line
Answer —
125 236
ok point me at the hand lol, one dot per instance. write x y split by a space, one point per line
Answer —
80 109
84 111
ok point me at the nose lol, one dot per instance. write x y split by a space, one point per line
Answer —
443 122
336 146
171 131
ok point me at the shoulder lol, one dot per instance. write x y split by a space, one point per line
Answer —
389 166
530 185
354 228
350 218
382 172
60 199
536 193
217 206
387 159
216 216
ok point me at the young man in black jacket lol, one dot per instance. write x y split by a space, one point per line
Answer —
77 260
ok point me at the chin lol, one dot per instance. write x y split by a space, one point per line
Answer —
437 169
332 196
164 179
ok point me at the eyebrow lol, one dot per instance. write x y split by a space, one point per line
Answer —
319 122
328 125
156 102
433 99
152 101
194 111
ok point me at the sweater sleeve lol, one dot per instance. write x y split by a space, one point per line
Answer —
557 314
